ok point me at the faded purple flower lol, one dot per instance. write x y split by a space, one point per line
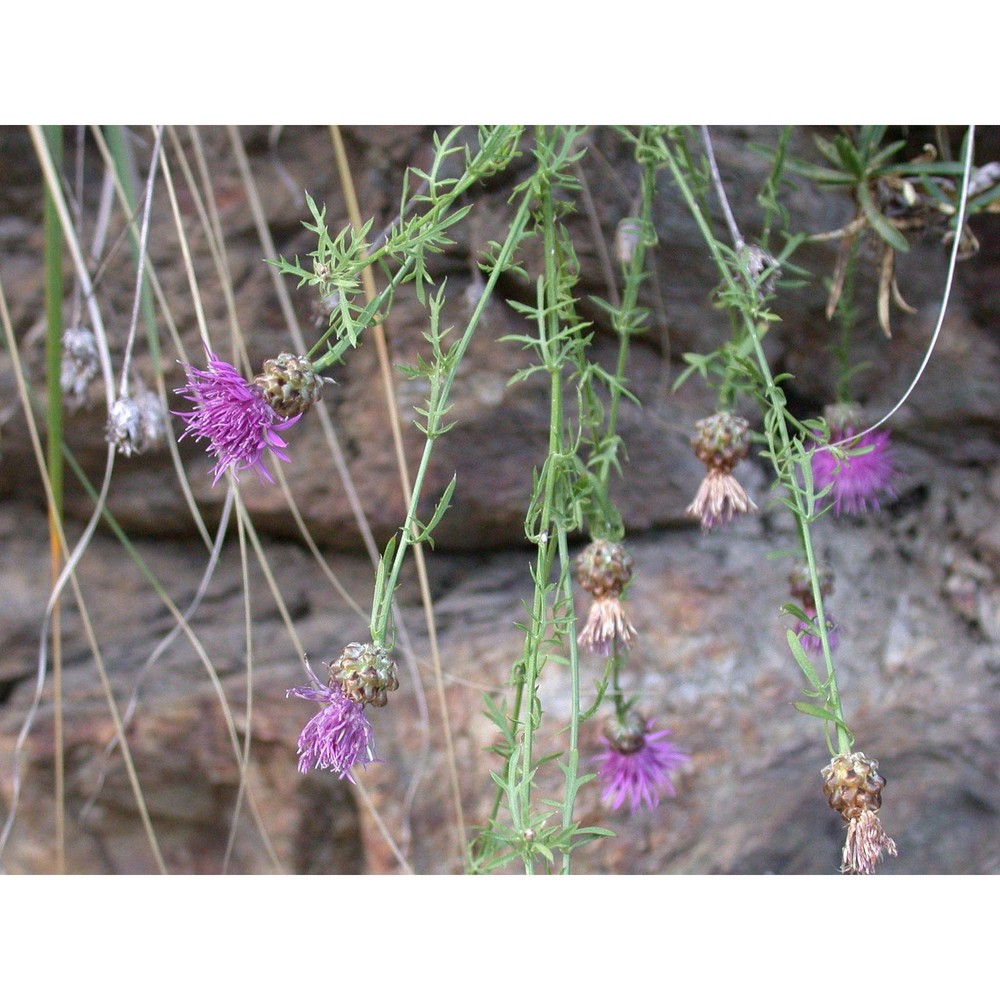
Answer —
719 499
234 416
635 768
607 626
339 736
858 480
810 640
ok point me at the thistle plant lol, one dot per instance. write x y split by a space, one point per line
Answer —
803 475
785 446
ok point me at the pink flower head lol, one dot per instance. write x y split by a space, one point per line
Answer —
339 736
641 775
857 479
810 640
233 414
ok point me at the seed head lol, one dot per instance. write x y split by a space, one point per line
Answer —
79 366
757 261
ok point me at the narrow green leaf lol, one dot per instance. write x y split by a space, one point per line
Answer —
849 157
817 711
801 658
885 229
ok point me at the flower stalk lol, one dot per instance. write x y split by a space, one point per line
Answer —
787 457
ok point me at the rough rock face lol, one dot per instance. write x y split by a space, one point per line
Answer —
917 585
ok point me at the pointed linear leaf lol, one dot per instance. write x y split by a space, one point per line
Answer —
801 658
885 229
817 711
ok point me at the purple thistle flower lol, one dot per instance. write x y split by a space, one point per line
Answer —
638 776
339 736
233 414
857 479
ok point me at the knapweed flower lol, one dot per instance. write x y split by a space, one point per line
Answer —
234 416
809 634
636 764
339 736
721 442
800 585
603 569
861 472
853 788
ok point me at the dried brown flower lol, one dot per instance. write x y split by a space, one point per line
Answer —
719 499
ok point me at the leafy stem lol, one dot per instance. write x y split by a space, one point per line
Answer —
786 458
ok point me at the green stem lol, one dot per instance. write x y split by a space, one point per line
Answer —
571 769
382 603
786 474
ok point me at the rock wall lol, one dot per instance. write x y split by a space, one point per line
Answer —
918 583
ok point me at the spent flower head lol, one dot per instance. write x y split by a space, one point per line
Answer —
136 422
603 569
853 787
636 764
234 416
721 441
861 472
79 365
